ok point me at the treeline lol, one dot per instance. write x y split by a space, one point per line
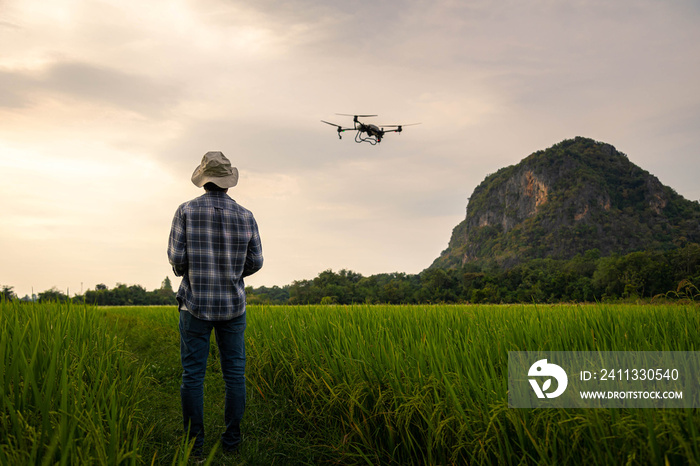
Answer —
121 295
586 277
134 295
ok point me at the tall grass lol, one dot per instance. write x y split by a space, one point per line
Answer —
273 432
371 384
427 384
70 395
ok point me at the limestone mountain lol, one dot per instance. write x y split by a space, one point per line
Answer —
576 196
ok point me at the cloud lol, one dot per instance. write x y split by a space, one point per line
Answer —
8 25
14 89
133 92
87 83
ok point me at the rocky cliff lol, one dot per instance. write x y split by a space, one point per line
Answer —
575 196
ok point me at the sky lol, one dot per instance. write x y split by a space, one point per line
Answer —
107 107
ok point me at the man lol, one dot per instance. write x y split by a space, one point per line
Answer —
213 244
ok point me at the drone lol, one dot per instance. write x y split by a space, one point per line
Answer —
367 132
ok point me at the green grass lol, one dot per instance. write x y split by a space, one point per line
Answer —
427 384
69 391
336 384
273 432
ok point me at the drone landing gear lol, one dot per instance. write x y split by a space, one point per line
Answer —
372 140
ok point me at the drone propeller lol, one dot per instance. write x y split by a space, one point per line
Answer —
399 128
356 116
332 124
340 128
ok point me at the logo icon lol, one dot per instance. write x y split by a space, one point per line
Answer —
543 369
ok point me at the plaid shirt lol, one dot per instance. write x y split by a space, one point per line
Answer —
214 243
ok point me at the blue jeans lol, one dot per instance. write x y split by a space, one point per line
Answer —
194 350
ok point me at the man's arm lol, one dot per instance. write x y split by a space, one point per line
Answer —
177 244
254 257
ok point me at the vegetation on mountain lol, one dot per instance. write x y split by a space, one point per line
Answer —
576 196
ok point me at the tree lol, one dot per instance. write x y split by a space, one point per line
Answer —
129 295
166 285
52 295
7 293
165 295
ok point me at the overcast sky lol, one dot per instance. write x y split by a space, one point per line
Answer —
106 108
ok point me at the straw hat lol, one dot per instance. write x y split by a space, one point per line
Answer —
217 169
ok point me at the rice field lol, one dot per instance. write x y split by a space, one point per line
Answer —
69 391
361 384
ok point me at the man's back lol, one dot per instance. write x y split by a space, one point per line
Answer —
214 243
